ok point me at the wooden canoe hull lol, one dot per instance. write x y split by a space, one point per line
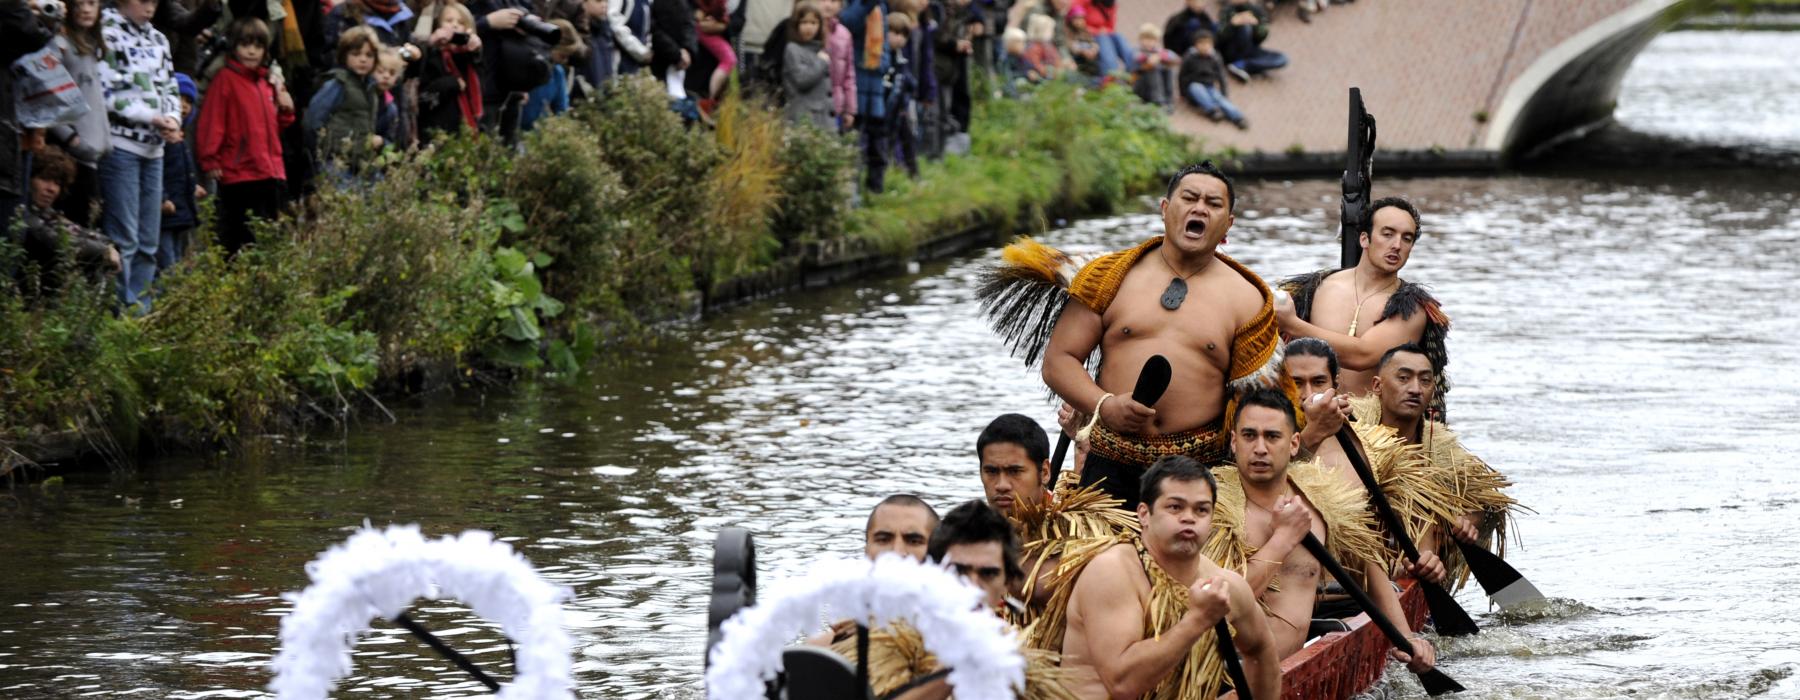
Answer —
1342 664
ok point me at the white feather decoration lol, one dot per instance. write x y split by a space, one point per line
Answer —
979 648
381 572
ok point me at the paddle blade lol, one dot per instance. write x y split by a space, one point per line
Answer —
1503 583
1448 617
1436 683
1152 381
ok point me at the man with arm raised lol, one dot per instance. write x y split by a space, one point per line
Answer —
1364 310
1142 616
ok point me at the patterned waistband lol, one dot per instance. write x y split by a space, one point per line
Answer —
1205 443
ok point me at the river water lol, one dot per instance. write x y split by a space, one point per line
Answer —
1622 349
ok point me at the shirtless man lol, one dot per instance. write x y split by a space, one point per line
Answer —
1404 384
1173 295
1278 513
1313 366
900 523
1367 309
1015 462
1107 643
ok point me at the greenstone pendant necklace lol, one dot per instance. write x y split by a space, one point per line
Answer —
1177 290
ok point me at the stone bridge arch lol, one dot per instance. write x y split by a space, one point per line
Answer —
1471 81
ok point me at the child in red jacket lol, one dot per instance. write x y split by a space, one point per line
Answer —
239 135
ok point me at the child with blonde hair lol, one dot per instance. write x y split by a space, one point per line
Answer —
1041 55
449 76
1152 71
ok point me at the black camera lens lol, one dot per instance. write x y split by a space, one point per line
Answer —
544 31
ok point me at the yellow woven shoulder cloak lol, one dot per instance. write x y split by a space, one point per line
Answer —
897 655
1201 675
1024 295
1432 482
1350 533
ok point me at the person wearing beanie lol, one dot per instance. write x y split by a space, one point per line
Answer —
181 186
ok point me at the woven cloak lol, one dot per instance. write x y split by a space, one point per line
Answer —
1434 481
1026 293
1350 533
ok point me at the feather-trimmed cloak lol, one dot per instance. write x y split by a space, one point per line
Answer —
1025 294
1408 299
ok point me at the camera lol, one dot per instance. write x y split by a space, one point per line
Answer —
538 28
459 39
50 9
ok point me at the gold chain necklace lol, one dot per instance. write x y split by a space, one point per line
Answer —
1356 280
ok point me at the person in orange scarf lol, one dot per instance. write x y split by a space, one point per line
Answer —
1173 295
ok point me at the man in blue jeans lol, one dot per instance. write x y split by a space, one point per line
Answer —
1202 82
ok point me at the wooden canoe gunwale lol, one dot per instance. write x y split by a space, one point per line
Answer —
1342 664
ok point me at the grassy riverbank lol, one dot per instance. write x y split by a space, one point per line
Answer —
472 262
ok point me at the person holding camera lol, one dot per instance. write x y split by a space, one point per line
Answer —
517 59
450 76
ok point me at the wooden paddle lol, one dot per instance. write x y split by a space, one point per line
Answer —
1504 584
1435 681
1152 381
1449 617
1233 665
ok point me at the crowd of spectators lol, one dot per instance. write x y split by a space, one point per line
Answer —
252 103
1209 50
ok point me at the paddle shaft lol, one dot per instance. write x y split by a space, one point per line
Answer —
1234 666
1152 382
1377 497
1356 592
1056 458
444 650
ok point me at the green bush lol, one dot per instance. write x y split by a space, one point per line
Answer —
571 202
818 174
464 254
413 260
62 361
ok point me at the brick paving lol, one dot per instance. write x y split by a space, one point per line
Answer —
1426 69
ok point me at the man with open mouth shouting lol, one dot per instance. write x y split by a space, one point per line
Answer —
1173 295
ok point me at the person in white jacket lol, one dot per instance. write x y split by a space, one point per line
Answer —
143 112
630 24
